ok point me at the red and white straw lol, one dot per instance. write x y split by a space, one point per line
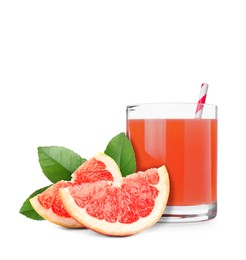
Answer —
201 101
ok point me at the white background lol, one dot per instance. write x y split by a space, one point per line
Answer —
67 71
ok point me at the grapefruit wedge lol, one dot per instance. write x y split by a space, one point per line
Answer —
121 207
48 204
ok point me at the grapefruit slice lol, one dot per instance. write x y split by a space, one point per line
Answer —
121 207
48 204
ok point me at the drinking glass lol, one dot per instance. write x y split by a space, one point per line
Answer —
169 134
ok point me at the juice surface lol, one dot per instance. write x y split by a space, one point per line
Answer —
187 147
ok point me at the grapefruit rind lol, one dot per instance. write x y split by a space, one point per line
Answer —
49 215
117 228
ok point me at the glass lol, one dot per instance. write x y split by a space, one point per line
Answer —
169 134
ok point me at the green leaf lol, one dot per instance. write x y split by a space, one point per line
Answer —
120 149
58 163
27 209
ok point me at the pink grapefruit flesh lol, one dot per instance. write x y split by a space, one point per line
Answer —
121 207
48 204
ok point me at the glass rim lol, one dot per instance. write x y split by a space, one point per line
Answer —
169 103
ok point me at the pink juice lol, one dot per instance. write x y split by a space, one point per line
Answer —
187 147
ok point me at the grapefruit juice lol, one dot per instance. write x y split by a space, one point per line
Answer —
187 147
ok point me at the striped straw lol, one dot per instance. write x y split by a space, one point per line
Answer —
202 99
